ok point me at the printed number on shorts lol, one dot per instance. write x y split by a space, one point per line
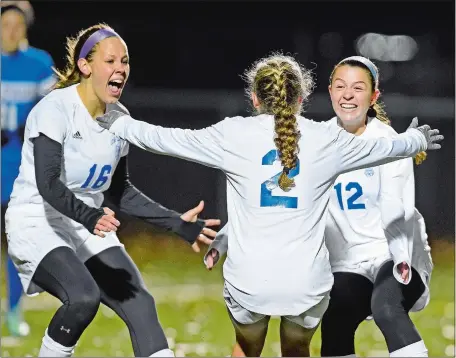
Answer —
267 199
351 205
102 178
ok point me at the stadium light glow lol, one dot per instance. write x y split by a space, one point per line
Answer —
386 47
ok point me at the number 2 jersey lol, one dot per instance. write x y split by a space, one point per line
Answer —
277 262
90 155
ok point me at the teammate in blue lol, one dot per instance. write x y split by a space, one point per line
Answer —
26 76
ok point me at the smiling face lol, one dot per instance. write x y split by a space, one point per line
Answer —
108 69
352 93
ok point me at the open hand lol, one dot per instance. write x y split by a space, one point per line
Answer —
207 235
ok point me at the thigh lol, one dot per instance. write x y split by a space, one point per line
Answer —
64 276
29 245
350 296
116 274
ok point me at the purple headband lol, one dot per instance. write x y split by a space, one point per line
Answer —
95 38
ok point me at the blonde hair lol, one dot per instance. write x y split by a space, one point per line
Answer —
378 108
281 85
71 73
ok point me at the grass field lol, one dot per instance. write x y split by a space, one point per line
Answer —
192 311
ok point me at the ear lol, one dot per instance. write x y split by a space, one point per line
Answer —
84 67
256 102
300 99
375 96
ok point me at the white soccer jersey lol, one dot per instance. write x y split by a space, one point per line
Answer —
277 261
90 155
372 211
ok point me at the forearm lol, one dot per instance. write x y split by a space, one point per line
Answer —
131 201
359 153
138 205
47 156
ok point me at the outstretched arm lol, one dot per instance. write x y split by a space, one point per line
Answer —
203 146
123 194
356 153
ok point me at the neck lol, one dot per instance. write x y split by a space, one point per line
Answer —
356 129
94 106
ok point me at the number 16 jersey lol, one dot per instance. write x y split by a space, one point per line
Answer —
90 155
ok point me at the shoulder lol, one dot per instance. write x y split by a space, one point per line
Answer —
41 55
381 129
327 128
58 100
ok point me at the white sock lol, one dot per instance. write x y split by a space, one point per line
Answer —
163 353
417 349
50 348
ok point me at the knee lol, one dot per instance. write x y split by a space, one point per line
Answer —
145 299
384 315
84 303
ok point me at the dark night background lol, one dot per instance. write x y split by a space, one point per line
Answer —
187 58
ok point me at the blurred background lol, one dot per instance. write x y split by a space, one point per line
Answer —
187 59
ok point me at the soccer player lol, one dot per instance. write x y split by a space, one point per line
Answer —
378 253
280 169
25 79
61 236
376 238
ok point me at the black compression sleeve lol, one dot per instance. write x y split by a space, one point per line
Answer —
133 202
48 158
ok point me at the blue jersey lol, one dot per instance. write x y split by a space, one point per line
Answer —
40 54
26 77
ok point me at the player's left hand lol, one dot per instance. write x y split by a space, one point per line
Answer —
404 271
207 235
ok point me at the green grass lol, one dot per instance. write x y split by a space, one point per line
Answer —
192 312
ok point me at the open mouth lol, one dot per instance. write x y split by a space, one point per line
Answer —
115 87
348 106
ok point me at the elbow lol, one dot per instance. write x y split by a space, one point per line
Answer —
44 188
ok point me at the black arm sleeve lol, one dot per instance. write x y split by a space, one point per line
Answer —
48 161
133 202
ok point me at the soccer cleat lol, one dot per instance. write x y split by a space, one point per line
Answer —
17 327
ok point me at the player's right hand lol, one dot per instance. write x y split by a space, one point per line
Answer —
432 136
212 259
106 223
